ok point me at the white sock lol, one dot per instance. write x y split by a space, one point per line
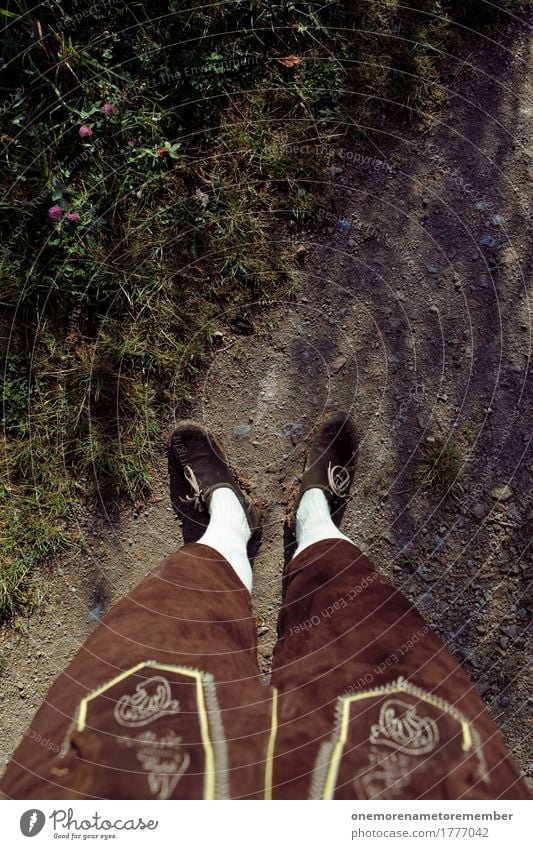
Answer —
228 532
313 520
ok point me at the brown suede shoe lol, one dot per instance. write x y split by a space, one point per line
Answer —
198 465
330 464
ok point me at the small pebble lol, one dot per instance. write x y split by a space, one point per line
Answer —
292 429
95 614
337 364
501 492
478 510
344 225
241 430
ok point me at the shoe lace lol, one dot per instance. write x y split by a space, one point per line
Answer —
338 480
197 496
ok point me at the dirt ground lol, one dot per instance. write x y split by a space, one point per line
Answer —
414 315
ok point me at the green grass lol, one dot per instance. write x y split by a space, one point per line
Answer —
441 466
105 320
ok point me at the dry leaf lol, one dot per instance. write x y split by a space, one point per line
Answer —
289 61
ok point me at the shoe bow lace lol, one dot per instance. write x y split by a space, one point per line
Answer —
338 480
197 496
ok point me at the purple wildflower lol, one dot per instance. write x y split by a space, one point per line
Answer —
73 216
55 212
85 132
108 109
131 143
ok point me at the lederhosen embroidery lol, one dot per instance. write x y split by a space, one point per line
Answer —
405 725
160 721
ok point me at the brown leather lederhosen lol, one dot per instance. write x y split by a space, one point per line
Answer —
164 700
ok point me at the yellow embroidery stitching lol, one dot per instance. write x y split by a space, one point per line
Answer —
269 765
209 777
399 686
